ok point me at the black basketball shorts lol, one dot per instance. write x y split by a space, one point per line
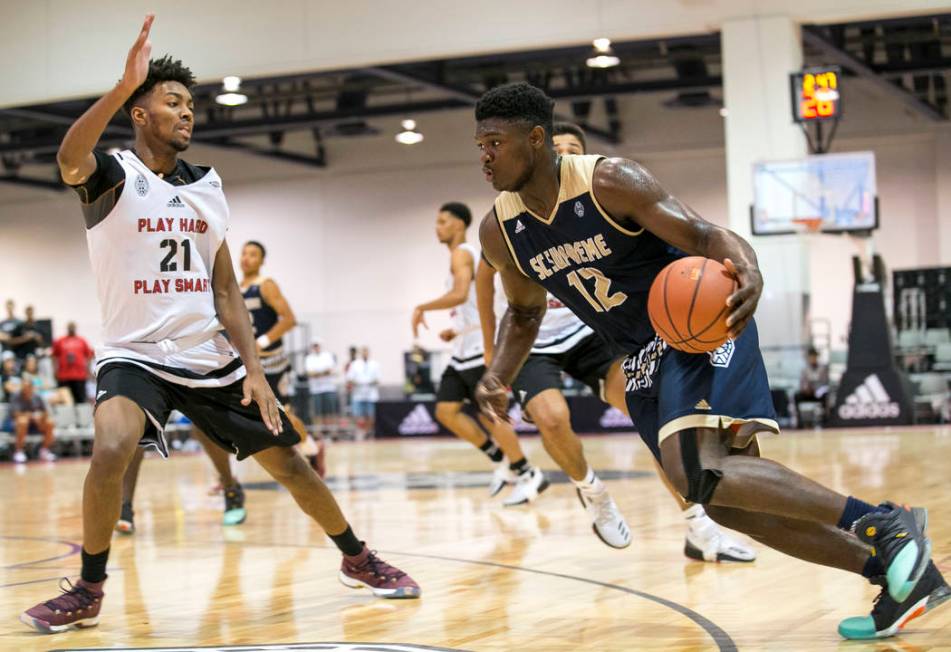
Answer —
216 411
457 386
588 361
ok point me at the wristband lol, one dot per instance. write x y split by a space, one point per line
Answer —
264 341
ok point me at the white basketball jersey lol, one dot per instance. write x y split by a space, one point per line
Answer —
560 329
153 257
468 349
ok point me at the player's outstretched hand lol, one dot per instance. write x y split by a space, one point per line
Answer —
419 318
742 303
493 398
256 389
137 62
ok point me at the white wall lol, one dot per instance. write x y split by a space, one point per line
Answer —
78 49
353 247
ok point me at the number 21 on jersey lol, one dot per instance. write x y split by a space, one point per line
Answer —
603 300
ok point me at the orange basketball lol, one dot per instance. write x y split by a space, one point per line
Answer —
687 304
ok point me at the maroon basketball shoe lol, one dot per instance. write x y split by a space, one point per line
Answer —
78 606
385 581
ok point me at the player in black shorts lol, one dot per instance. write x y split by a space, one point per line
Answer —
565 344
458 382
595 232
272 318
167 287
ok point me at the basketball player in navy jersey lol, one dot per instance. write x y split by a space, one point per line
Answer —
167 288
271 319
467 364
595 232
566 344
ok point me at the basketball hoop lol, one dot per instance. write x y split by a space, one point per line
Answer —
808 224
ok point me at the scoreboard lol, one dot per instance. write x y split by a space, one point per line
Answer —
815 94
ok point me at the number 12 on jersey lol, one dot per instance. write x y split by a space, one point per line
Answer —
603 300
169 264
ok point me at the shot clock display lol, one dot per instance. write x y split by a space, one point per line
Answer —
815 94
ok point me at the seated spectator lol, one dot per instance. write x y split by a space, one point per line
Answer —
28 414
10 374
321 371
72 354
813 385
44 385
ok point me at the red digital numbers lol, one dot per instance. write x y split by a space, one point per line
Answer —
817 93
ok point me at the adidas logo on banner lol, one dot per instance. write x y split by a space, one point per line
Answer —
418 422
519 424
519 227
869 401
614 418
175 202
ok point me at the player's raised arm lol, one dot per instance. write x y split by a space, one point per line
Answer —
233 315
75 157
630 193
485 300
519 327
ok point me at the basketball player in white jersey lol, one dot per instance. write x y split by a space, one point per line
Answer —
167 289
271 319
566 344
468 364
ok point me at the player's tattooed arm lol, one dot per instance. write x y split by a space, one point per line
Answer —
233 315
519 328
75 157
485 300
632 195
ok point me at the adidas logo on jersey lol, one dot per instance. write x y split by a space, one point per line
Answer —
418 422
869 401
175 202
519 227
614 418
702 405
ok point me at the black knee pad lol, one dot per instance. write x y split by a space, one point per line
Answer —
701 482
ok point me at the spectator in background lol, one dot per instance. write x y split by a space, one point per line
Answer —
10 374
72 355
813 385
320 367
32 337
11 329
44 385
29 413
364 375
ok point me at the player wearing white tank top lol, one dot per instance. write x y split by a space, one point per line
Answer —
566 344
167 287
467 363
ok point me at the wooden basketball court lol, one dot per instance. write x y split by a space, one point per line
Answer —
493 578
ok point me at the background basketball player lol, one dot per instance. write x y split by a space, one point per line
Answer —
468 364
167 288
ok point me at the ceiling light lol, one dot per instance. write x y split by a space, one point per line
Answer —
603 55
231 97
409 135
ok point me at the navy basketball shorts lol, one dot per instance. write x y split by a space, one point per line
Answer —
216 411
668 390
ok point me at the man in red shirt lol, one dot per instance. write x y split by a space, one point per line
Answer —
72 355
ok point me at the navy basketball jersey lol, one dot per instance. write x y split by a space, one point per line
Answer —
598 268
263 316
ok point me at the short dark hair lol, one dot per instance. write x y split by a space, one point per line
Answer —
458 209
161 70
813 351
517 101
255 243
562 128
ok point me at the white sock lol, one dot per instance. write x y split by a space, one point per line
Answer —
591 483
694 513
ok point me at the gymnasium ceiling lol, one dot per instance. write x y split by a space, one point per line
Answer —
908 58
